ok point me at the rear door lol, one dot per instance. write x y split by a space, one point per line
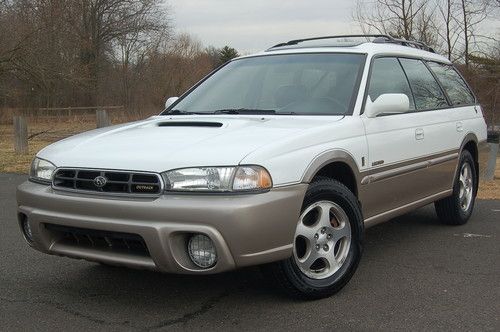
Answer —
464 114
439 124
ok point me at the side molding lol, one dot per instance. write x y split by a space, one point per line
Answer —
392 172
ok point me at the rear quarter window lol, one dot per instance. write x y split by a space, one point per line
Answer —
453 84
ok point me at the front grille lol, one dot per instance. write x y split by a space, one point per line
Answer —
102 240
103 181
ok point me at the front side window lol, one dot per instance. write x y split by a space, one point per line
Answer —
455 87
286 84
388 77
426 90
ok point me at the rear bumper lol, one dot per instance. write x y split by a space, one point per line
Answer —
246 229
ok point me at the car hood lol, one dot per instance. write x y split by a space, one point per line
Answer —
162 143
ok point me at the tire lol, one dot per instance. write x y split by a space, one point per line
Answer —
452 210
338 252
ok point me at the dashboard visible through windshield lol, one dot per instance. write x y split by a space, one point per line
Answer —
309 84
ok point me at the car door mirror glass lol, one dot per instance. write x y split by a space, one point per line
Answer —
388 103
170 101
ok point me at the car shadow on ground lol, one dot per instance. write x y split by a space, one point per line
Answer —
122 284
401 259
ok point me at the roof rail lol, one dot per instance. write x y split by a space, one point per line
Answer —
377 38
404 42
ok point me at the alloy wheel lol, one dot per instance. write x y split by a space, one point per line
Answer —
466 184
322 239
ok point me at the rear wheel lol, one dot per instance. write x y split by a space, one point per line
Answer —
327 243
457 208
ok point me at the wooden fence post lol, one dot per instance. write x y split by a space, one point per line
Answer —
20 135
102 118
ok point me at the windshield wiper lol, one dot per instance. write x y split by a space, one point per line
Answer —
243 111
179 112
232 111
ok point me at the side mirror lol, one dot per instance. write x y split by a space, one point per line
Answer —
387 103
170 101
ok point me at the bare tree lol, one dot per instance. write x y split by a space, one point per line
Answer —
82 52
426 26
132 48
34 56
472 14
393 17
101 24
450 34
214 55
450 25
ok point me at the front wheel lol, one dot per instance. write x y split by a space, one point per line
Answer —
327 243
457 208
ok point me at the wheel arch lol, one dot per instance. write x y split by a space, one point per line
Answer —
335 164
470 143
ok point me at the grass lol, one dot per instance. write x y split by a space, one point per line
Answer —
44 133
490 189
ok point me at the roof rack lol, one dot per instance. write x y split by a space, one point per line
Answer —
376 38
404 42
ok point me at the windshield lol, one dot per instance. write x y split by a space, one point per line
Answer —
282 84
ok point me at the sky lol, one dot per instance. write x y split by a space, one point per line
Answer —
250 26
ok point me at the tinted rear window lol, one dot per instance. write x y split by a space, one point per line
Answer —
426 90
453 84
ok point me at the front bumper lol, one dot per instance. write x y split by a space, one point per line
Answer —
247 229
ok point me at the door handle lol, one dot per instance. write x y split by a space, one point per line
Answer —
419 134
460 126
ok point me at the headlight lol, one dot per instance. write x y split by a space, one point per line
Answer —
218 179
41 170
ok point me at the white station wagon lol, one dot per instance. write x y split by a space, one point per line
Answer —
279 159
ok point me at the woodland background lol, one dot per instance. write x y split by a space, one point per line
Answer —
60 53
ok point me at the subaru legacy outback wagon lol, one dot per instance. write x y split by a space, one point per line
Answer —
279 159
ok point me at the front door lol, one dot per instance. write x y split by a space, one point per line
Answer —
409 154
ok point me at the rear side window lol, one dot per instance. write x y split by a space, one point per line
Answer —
455 87
388 77
426 90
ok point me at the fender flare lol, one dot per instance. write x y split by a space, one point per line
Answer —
329 157
470 137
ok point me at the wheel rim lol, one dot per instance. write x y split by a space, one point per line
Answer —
322 239
466 184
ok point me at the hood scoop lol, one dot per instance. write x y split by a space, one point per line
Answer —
190 124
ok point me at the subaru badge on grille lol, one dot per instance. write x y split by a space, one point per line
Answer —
100 181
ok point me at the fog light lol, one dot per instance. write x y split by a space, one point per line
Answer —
28 234
202 251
